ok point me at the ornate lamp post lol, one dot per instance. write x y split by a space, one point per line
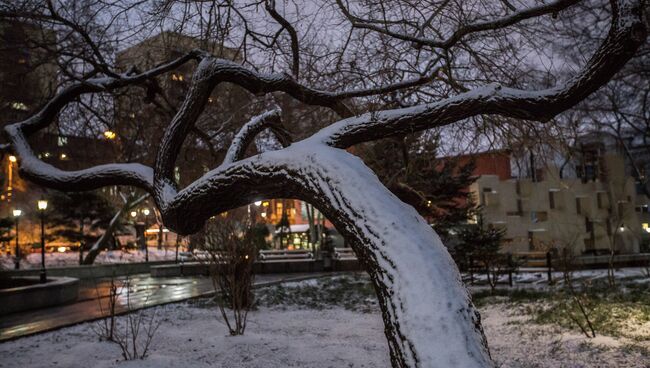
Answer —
42 206
146 212
17 214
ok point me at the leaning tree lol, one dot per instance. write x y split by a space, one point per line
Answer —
428 314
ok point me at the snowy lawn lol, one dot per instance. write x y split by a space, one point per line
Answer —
335 322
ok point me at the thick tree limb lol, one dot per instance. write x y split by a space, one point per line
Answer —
33 168
271 120
626 34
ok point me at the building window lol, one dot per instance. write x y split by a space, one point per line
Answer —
61 141
538 216
608 227
177 174
17 105
589 225
551 200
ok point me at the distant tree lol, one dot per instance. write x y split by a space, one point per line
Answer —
6 225
482 245
283 225
77 216
436 187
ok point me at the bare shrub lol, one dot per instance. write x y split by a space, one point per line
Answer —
576 301
231 246
105 328
135 331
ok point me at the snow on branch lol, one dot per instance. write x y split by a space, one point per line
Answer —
45 174
271 120
454 38
626 34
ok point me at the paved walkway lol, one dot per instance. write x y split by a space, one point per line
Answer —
144 291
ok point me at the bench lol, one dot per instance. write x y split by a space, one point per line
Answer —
344 259
275 255
286 261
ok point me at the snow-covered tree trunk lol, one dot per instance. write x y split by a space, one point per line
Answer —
428 315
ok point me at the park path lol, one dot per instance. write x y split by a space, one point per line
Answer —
144 291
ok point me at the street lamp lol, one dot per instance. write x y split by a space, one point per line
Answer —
42 206
17 214
145 212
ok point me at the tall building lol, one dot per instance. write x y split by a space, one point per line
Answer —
28 74
28 77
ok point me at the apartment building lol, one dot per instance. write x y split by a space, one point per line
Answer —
589 214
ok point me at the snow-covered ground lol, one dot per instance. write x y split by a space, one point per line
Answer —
33 260
315 324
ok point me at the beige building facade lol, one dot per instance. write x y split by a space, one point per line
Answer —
587 216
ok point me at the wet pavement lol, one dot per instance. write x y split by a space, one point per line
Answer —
136 292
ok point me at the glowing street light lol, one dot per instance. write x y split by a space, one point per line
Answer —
42 206
146 212
17 213
133 214
258 203
13 158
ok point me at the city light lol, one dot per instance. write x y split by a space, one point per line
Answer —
134 213
109 134
146 211
12 158
258 203
17 212
42 205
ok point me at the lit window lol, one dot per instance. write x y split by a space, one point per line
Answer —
109 134
61 141
18 106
